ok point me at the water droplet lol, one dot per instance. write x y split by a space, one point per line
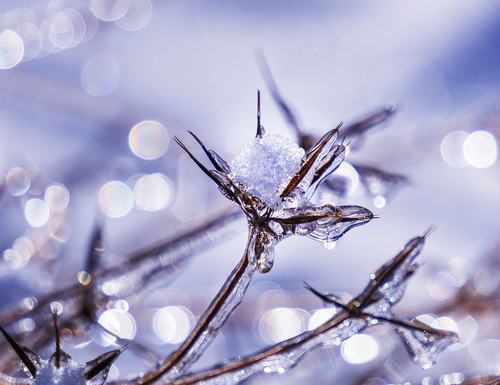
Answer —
56 307
84 278
329 245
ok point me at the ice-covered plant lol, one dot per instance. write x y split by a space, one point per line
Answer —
272 181
276 205
60 368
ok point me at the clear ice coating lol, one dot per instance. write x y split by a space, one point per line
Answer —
425 347
385 289
265 165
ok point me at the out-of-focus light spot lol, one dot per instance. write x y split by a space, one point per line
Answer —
29 303
11 49
32 40
56 307
486 281
23 250
36 212
152 192
26 325
100 75
379 201
448 323
320 316
67 29
148 139
487 352
429 319
347 171
137 17
122 305
451 148
84 278
279 324
467 329
18 181
172 324
115 199
109 10
90 20
359 349
14 259
119 322
442 285
480 149
108 288
57 198
452 379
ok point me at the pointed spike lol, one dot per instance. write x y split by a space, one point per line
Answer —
312 157
286 110
207 152
260 128
326 298
58 339
103 362
198 163
20 352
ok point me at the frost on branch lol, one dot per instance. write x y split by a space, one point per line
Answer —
372 306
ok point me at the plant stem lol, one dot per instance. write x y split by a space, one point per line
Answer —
219 310
271 351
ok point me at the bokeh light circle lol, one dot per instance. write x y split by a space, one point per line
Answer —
480 149
100 75
119 322
137 17
36 212
152 192
359 349
11 49
451 148
57 198
109 10
115 199
172 324
18 181
148 139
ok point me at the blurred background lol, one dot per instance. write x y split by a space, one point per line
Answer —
91 94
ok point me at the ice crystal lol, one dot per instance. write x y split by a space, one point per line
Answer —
425 347
265 166
60 368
